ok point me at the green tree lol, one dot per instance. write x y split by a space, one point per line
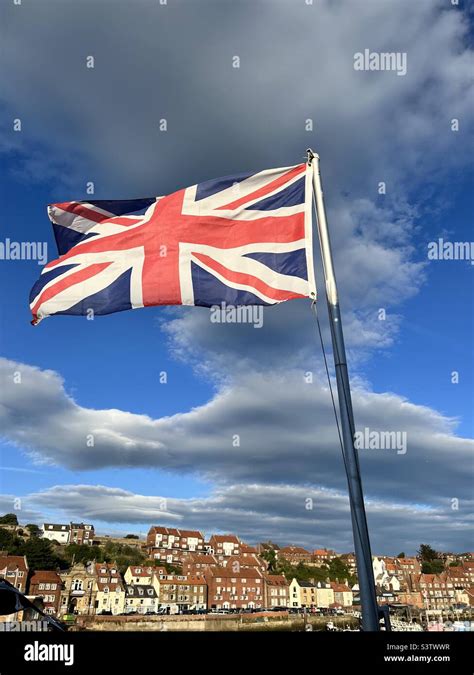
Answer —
8 541
33 529
270 556
431 562
427 554
132 536
82 553
401 555
432 567
339 570
41 555
9 519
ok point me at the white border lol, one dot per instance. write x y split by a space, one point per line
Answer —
308 231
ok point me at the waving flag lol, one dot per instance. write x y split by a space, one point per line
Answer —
239 240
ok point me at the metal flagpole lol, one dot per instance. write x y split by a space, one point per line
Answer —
368 598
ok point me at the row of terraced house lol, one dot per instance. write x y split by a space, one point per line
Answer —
223 573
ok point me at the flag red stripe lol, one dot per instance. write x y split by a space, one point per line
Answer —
72 279
247 279
301 168
83 211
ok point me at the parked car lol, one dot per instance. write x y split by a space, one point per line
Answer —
219 611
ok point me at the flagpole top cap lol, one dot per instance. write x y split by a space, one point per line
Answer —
311 155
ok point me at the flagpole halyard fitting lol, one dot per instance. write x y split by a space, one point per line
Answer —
368 597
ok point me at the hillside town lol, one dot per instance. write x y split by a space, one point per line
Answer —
183 572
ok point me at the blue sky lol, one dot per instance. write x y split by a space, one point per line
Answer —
79 126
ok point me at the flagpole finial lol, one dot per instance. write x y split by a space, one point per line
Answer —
311 155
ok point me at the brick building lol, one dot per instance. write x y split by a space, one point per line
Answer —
81 533
14 568
323 556
47 584
277 591
234 590
179 594
238 562
197 563
223 545
171 545
295 554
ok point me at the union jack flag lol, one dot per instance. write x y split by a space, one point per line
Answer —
239 240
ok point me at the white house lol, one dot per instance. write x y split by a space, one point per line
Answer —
141 599
55 532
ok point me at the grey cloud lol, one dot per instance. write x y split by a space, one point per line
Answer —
285 429
19 506
296 63
257 512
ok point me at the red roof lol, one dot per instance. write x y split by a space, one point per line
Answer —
191 533
221 538
146 571
323 552
339 588
158 529
191 579
13 562
245 548
246 561
294 549
226 573
107 567
200 558
276 580
42 576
